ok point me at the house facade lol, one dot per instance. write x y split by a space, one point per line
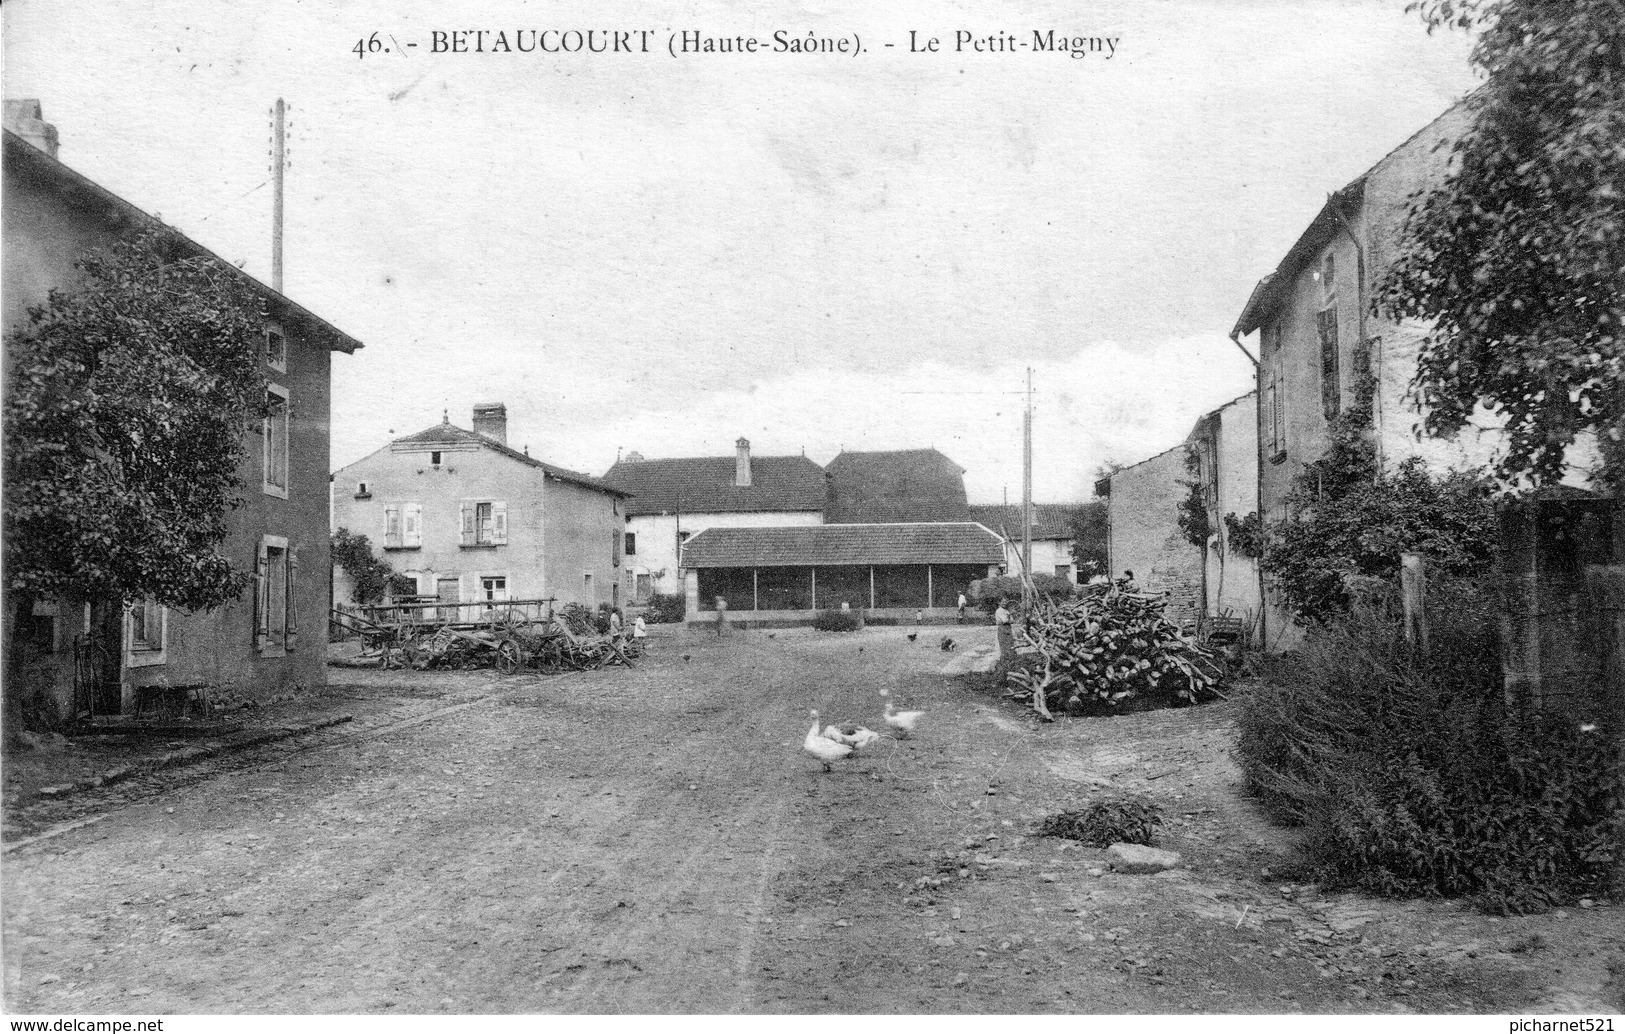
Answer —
474 522
1143 533
92 657
1051 537
1224 444
675 499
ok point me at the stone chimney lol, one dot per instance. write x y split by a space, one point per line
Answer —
24 118
742 463
491 420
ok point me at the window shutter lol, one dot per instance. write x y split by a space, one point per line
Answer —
615 547
499 524
291 601
392 526
262 602
412 528
468 524
1280 416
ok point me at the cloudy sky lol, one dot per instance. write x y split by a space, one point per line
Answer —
815 251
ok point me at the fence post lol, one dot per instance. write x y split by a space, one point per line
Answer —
1413 586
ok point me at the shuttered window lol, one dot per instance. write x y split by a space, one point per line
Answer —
412 525
276 616
484 522
274 448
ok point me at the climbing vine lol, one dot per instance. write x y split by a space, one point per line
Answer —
374 578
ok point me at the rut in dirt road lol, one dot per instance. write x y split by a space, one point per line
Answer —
601 842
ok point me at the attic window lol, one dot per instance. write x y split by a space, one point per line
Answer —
434 459
276 349
361 491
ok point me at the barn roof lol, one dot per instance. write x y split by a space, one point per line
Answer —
705 484
833 545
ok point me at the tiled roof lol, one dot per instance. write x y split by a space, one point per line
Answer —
899 485
451 434
24 159
1050 520
705 484
837 544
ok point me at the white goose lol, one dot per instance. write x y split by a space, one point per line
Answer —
900 722
825 750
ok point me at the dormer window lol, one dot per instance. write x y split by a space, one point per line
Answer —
276 349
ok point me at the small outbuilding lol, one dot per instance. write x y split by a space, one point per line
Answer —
789 574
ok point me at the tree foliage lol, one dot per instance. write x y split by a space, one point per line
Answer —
1087 523
1349 518
1518 258
125 414
374 578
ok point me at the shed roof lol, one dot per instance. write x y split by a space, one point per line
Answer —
24 159
446 433
960 542
1050 520
705 484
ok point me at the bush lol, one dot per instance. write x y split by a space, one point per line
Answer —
837 621
1414 778
1115 820
665 608
1106 648
988 593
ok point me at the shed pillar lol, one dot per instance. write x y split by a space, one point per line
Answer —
930 591
691 593
755 592
814 571
871 586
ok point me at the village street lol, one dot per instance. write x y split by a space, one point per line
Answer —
654 840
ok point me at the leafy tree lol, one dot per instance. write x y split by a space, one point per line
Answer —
374 578
126 406
1518 258
1087 523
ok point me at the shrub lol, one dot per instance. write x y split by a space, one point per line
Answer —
1414 778
665 608
836 621
374 577
1106 648
1115 820
988 593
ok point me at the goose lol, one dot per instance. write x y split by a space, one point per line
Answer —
900 722
823 749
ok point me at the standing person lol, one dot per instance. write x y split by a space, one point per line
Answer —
962 602
1007 641
615 623
639 634
722 617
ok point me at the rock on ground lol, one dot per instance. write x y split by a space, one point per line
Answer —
1137 858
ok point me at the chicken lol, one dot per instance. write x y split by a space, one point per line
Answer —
913 636
948 642
833 732
824 750
901 723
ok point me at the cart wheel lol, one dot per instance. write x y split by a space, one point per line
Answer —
508 657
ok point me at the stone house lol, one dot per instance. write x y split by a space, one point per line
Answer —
1143 533
91 658
475 522
1319 344
674 499
1051 536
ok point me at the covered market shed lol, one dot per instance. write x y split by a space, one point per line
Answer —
788 574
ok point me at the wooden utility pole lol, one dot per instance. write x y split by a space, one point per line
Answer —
1027 500
278 160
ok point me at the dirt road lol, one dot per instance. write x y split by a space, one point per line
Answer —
654 841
